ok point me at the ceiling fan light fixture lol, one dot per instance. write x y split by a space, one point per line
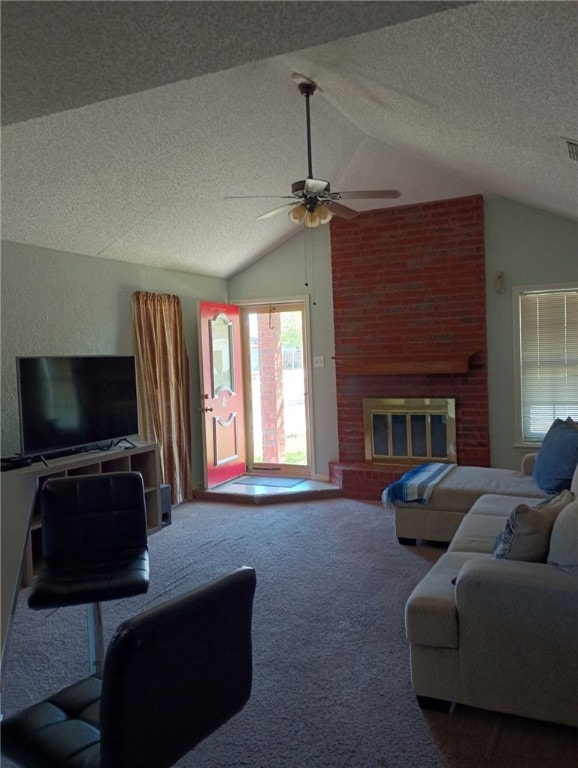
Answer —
324 214
297 213
311 216
311 219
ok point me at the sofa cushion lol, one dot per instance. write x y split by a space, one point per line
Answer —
477 533
484 522
463 485
557 457
499 505
526 534
564 540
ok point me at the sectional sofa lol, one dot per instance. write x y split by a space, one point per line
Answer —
437 518
453 496
494 624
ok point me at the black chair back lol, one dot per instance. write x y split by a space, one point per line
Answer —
176 673
87 515
94 540
172 676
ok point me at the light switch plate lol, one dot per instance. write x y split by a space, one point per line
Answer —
319 361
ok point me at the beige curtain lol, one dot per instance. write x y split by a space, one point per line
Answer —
163 381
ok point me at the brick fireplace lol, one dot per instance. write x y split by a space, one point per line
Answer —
409 302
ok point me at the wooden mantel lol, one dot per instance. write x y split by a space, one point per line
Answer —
430 363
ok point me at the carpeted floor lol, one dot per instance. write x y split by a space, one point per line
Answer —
331 683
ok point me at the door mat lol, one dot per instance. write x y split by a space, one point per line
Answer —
278 482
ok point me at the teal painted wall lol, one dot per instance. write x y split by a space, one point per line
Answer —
532 247
56 303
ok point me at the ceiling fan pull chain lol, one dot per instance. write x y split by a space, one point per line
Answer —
312 252
305 263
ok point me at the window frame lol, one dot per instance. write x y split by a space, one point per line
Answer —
517 292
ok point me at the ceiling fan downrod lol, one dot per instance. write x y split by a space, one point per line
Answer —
308 89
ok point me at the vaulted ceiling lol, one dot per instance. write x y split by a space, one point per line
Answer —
127 124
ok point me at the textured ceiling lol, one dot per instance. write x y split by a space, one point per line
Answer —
126 124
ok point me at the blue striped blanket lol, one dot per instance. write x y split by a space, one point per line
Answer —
415 485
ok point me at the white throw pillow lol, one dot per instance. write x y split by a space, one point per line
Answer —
564 540
574 484
526 534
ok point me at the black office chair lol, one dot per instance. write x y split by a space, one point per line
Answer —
94 547
172 676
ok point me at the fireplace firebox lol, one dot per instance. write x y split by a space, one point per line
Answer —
410 430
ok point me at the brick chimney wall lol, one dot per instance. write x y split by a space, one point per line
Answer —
410 280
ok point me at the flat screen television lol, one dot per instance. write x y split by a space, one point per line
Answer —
72 403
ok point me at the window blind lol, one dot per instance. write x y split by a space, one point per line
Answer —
548 359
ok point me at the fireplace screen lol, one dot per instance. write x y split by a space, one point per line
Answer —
410 430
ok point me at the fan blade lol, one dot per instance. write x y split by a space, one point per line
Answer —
251 197
274 212
375 194
342 210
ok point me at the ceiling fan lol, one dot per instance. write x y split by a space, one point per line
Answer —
312 201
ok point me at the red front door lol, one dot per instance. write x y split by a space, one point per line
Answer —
221 392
